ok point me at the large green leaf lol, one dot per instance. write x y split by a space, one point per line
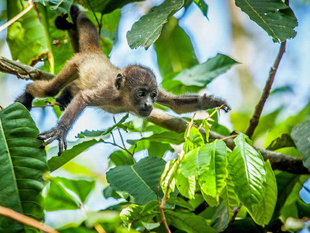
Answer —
229 196
22 165
58 197
263 211
58 161
212 170
248 173
168 137
174 49
197 77
147 29
25 36
188 222
274 16
301 137
140 180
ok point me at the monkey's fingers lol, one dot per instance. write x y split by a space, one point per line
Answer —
62 144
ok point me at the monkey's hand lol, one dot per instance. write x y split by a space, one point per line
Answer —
58 133
209 101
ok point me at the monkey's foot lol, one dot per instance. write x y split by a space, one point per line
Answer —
25 99
209 101
57 133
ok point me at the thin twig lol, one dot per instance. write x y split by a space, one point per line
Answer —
100 25
17 17
119 132
114 144
25 220
259 107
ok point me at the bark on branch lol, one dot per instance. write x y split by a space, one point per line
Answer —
278 161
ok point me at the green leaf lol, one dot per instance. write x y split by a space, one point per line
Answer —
197 77
58 161
170 57
186 185
274 16
194 139
167 180
263 211
212 171
138 215
22 165
120 157
188 222
284 140
189 164
80 187
147 29
301 137
57 198
229 196
140 180
247 170
203 6
60 6
25 36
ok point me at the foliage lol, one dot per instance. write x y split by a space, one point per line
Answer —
198 185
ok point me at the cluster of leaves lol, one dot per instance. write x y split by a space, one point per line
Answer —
203 186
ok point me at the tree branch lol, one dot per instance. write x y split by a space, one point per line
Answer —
259 107
278 161
23 71
25 220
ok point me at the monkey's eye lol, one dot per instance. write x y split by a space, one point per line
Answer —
153 95
141 93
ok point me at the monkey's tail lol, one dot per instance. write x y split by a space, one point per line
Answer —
62 24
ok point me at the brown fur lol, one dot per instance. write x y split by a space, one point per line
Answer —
89 78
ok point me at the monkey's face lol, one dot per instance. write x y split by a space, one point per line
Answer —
143 98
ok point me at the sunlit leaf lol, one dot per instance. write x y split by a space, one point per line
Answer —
247 171
25 36
263 211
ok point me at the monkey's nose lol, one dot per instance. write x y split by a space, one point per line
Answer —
148 105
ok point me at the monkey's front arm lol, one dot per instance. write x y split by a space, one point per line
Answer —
190 103
59 133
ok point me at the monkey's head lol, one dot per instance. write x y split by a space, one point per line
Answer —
140 85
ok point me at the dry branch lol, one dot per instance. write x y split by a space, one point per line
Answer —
25 220
278 161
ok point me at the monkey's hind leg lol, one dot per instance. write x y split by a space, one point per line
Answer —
44 88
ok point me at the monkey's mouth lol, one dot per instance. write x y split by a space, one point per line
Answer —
145 112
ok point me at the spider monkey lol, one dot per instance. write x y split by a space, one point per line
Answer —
89 79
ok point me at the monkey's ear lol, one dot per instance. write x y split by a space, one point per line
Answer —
118 81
